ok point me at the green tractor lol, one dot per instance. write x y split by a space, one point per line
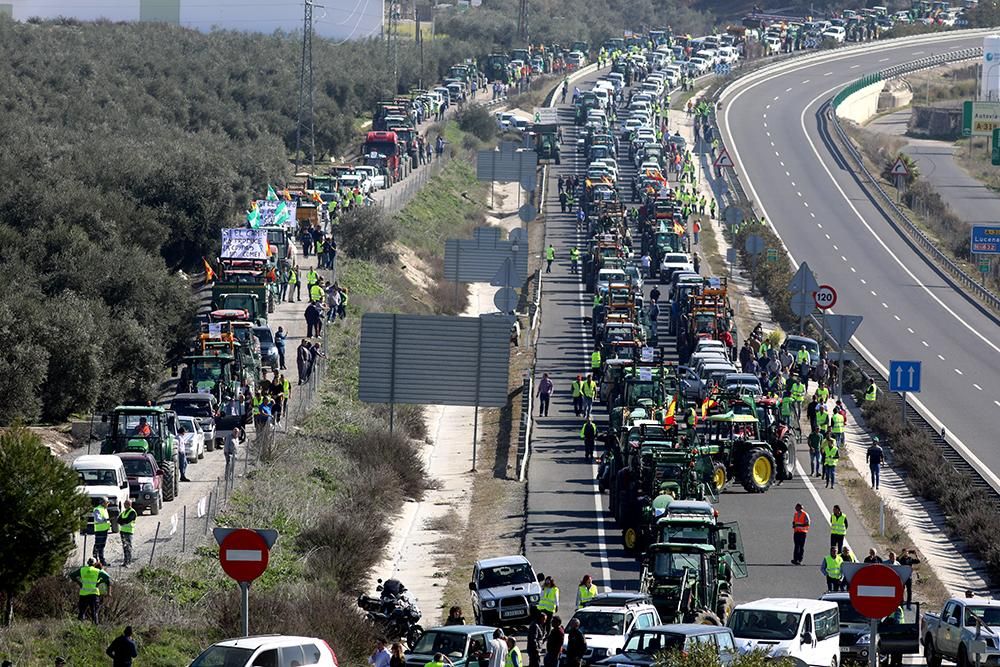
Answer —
660 475
546 142
692 583
145 428
740 454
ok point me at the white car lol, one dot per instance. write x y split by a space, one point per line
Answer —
576 59
674 261
267 650
709 55
804 632
195 438
698 65
607 276
729 54
836 33
504 120
373 175
607 619
103 477
352 181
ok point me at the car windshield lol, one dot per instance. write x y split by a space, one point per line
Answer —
138 467
675 259
97 477
223 656
764 624
669 564
650 643
452 644
848 614
600 623
191 407
506 575
188 423
987 615
263 335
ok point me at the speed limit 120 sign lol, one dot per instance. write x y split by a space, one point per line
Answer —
825 297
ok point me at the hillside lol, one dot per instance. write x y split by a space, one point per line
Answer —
126 148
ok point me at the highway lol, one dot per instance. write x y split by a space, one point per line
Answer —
769 122
568 531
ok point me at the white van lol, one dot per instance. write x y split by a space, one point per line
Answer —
103 477
807 631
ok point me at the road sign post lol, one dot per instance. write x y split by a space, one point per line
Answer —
243 554
904 377
754 245
899 171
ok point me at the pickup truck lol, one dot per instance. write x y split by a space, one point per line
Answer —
955 632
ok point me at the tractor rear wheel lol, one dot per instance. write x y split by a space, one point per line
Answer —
706 617
725 607
789 462
719 477
169 485
630 539
758 470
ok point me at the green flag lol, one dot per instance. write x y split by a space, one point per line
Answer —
253 217
271 194
281 214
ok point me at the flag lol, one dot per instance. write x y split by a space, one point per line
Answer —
708 403
287 195
669 420
281 214
253 217
271 194
316 197
209 273
678 229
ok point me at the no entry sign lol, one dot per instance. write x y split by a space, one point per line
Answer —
876 591
244 554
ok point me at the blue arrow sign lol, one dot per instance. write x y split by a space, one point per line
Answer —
904 376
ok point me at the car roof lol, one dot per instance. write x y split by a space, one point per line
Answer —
135 455
463 629
787 604
259 641
98 460
687 628
616 599
502 560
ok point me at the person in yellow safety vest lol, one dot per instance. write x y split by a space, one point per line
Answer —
286 391
102 526
897 616
798 395
294 284
597 300
831 454
595 359
786 408
316 293
822 416
831 567
577 388
691 419
574 260
126 526
588 433
803 361
871 393
90 579
513 658
838 528
589 394
837 426
550 256
823 393
549 602
312 277
585 591
440 660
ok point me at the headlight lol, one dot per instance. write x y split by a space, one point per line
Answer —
489 604
146 487
864 639
600 653
532 598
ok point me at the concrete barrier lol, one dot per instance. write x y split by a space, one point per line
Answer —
862 104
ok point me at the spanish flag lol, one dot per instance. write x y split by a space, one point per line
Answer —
706 405
209 273
678 229
669 420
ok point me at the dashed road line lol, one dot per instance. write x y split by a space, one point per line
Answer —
941 357
977 386
925 343
959 372
874 293
910 330
897 318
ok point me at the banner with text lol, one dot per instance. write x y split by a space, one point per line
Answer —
240 243
275 213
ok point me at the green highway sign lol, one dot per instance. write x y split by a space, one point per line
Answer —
979 119
772 254
984 264
995 153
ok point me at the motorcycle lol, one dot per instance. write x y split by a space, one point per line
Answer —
395 612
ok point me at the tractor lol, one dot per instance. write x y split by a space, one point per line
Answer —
741 454
144 428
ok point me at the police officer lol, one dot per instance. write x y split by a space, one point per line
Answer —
126 526
102 526
90 578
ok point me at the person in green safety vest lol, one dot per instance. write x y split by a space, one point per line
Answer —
832 569
574 260
831 454
837 423
838 528
126 526
294 284
549 602
312 277
588 432
803 361
102 526
90 578
798 392
823 393
513 658
577 388
786 408
440 660
822 417
585 591
550 255
871 393
589 393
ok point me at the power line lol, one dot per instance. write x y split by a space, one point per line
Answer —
307 107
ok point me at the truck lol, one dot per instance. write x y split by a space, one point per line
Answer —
383 149
146 428
964 628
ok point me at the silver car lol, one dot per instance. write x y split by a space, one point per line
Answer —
196 443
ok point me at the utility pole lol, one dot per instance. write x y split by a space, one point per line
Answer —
306 116
392 48
420 41
522 23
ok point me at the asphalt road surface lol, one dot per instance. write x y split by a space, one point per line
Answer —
569 532
770 125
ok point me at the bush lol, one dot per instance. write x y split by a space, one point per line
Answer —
366 233
477 120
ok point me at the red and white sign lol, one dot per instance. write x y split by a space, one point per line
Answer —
244 554
899 168
724 160
825 297
876 591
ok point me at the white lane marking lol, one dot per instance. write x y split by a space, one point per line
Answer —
863 281
827 236
806 81
940 357
896 317
959 372
977 386
777 154
853 270
828 74
855 66
781 163
925 343
793 184
951 438
806 204
835 247
776 97
820 225
885 305
772 146
768 134
798 193
996 403
765 115
916 53
765 125
787 174
882 60
767 107
874 293
813 215
843 258
910 330
787 90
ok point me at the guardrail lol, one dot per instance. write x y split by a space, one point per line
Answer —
897 216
